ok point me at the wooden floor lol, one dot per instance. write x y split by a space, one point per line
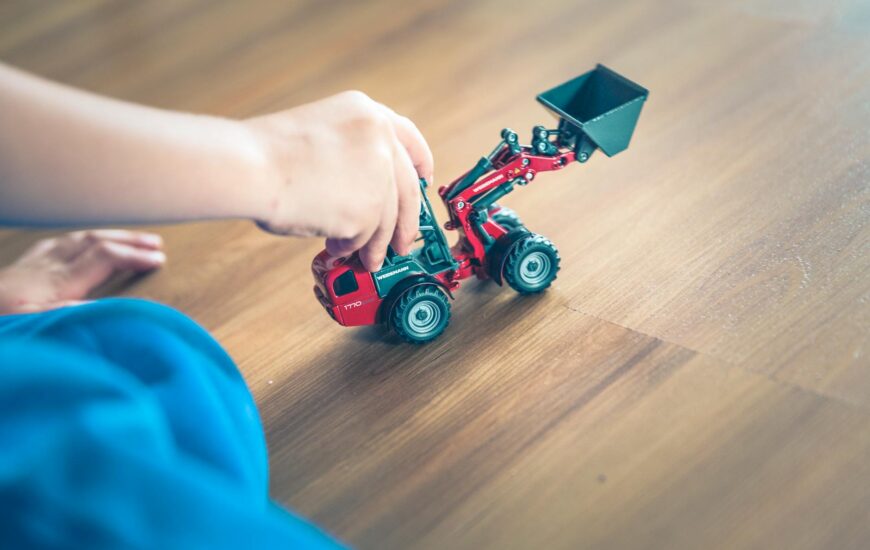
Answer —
698 376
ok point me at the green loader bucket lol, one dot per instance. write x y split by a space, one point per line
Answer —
601 105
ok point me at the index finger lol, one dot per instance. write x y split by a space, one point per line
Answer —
413 141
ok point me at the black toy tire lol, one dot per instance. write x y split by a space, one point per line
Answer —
508 219
531 264
420 314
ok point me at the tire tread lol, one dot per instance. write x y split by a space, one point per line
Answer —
515 255
406 299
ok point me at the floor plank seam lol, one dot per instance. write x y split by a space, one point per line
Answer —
728 364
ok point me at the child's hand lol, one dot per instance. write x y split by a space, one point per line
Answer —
346 168
61 271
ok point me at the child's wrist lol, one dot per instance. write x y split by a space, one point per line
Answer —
265 179
250 188
270 165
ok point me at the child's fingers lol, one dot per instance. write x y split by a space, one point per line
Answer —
40 248
408 191
46 306
413 141
101 260
373 252
67 247
340 248
141 239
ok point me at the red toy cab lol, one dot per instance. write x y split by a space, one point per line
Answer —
346 290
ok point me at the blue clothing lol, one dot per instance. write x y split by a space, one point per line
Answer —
123 424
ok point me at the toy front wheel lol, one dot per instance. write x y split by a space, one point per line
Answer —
531 264
420 314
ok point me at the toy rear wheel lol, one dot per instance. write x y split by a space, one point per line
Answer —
507 218
531 264
420 314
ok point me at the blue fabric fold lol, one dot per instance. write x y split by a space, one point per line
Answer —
124 424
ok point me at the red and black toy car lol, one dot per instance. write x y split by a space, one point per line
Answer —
597 110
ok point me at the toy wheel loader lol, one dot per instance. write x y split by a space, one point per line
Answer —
411 294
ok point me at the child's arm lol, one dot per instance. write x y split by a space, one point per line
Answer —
344 167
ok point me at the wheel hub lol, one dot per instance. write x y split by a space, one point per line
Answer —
424 316
535 268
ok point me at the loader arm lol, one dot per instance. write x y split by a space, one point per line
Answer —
510 164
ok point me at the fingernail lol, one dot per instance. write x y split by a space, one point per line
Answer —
372 267
152 239
159 257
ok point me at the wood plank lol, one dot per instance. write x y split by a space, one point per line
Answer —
740 225
693 457
609 438
698 374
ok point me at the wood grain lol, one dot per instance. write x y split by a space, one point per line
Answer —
697 377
